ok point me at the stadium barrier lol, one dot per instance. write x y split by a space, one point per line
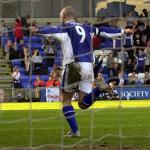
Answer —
124 92
52 94
134 92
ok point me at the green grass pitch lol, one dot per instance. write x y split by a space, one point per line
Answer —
114 123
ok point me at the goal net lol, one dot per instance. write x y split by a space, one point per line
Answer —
31 72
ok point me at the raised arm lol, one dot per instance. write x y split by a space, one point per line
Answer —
53 31
113 32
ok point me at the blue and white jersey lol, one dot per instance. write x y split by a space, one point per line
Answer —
76 39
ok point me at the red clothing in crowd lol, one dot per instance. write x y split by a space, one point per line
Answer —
40 83
18 30
96 42
56 83
49 83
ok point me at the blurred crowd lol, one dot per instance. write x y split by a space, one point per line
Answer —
125 63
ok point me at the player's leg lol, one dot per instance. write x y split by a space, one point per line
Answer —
67 107
87 99
69 114
87 93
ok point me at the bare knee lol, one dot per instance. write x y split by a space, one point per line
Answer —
66 99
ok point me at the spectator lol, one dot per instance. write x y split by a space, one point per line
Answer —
147 78
121 78
110 60
16 78
18 30
37 84
50 82
56 81
3 28
139 34
132 78
130 23
147 61
147 32
10 51
110 64
144 13
113 73
97 66
123 56
100 22
20 48
96 42
26 25
49 51
49 24
26 55
140 59
37 61
129 66
55 72
34 28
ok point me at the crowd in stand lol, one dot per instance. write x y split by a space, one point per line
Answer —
129 64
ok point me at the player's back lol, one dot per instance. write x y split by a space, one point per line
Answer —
80 36
75 41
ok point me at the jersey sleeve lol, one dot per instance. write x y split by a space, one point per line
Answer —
110 32
56 32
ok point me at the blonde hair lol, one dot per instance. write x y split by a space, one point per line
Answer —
68 11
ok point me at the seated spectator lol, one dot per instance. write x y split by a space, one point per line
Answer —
147 78
16 82
16 78
55 72
56 81
37 61
49 51
26 56
140 78
10 51
140 59
132 78
49 82
37 84
53 82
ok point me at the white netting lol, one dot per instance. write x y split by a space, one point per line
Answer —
26 125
